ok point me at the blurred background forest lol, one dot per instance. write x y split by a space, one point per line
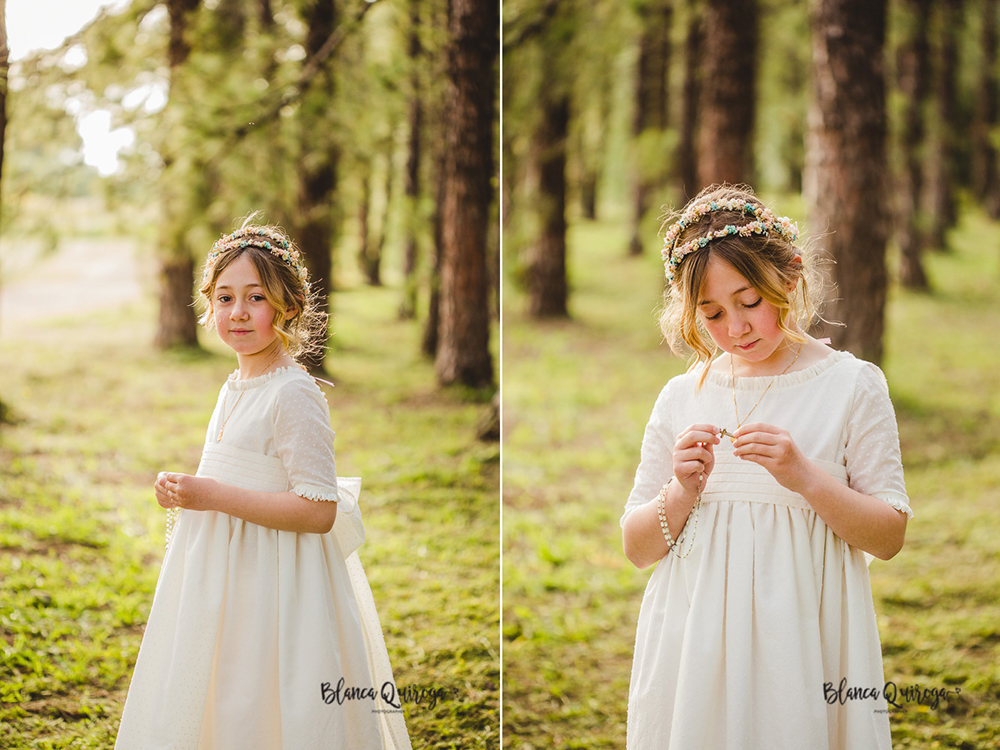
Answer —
874 124
369 131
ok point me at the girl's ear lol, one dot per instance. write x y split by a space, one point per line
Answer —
793 283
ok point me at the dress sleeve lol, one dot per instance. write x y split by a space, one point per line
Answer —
656 464
303 440
874 465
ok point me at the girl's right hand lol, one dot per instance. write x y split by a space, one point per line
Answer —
694 455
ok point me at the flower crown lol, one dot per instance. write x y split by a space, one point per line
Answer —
264 238
764 223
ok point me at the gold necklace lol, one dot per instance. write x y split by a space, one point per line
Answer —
222 429
736 411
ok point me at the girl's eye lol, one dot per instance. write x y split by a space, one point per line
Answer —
258 298
714 317
759 300
223 298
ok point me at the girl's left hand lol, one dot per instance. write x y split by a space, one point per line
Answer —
183 491
774 449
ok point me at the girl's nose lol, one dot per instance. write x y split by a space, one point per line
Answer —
738 325
238 311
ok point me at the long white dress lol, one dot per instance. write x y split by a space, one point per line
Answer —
740 645
252 630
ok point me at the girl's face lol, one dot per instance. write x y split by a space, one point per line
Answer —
243 316
738 319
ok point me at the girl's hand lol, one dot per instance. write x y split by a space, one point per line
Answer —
774 449
694 456
183 491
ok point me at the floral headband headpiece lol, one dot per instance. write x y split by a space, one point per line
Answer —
264 238
764 222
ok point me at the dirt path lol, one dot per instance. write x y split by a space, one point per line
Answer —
84 275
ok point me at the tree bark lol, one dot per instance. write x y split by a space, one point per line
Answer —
548 291
687 148
728 91
941 207
651 105
546 258
914 84
408 307
317 169
984 156
846 162
463 355
177 326
429 341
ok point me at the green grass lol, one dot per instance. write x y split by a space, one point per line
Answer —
99 412
577 395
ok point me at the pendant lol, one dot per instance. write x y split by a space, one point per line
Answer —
722 433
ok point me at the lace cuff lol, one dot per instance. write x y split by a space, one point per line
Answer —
899 502
314 492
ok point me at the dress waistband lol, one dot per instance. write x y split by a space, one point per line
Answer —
257 471
736 480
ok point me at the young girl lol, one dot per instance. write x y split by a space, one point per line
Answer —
767 475
263 632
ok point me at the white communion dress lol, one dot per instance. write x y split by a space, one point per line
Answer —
258 638
742 644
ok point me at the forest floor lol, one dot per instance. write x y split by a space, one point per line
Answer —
577 395
98 412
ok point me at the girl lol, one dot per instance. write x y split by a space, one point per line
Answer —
263 632
767 475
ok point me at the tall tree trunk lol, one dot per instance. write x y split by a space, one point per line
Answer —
364 228
846 161
914 84
429 341
408 307
728 91
463 354
941 206
318 160
687 148
177 326
650 117
984 155
546 268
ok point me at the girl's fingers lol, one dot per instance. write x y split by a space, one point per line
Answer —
699 433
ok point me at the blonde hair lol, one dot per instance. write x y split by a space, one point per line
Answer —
769 262
298 322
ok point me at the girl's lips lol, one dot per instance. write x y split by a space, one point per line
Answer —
745 347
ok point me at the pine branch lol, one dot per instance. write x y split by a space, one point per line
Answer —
298 88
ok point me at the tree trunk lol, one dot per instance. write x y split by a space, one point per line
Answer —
546 273
317 169
914 84
984 154
429 341
846 162
651 106
546 262
687 149
728 95
177 326
941 208
463 354
369 250
408 307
